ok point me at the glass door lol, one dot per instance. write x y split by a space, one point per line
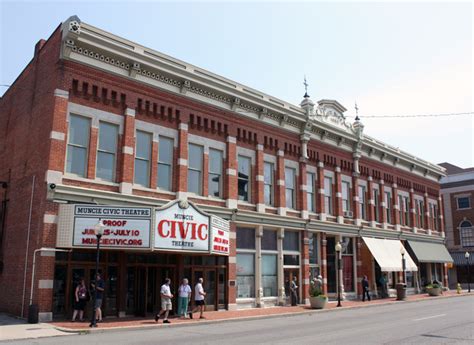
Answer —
209 285
289 274
221 288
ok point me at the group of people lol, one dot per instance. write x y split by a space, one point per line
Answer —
82 295
184 298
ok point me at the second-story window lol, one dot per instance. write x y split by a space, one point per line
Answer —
376 205
345 191
107 151
388 206
215 173
195 153
434 214
420 213
290 176
142 159
310 195
78 145
362 203
244 178
165 163
404 211
268 182
328 195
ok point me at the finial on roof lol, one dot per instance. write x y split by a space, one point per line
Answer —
357 112
305 88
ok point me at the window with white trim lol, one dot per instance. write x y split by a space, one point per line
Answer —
362 203
268 183
243 181
388 206
165 163
466 232
245 262
290 182
269 249
310 193
215 173
78 145
463 202
142 159
345 191
195 154
328 209
107 151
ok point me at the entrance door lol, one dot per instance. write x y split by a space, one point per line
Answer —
289 274
210 285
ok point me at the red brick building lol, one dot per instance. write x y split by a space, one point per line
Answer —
96 124
457 189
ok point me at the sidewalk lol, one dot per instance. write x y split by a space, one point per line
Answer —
14 329
222 316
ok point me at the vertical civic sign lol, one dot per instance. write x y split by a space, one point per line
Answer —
182 227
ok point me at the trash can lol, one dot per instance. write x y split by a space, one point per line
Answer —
401 292
33 313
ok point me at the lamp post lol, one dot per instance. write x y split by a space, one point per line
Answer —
338 249
402 251
468 273
99 231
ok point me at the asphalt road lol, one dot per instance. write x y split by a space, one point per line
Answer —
443 321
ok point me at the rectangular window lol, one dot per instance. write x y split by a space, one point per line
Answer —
245 238
291 241
142 159
313 248
245 267
165 163
269 275
376 205
362 203
406 202
388 205
215 173
107 151
269 240
310 177
434 214
345 188
466 234
290 176
195 153
244 178
404 211
420 213
463 202
328 195
268 183
78 145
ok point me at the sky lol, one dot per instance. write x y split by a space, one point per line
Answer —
392 58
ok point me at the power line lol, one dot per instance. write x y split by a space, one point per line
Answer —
361 116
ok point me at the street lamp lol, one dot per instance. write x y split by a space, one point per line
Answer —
402 251
338 267
468 273
98 231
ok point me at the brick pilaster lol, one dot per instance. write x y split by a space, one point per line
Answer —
280 197
305 267
92 154
182 159
441 215
58 135
154 164
128 152
339 212
232 268
395 206
413 211
359 271
205 173
355 197
230 177
427 215
383 206
301 199
371 200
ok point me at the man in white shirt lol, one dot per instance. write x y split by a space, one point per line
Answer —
199 296
166 304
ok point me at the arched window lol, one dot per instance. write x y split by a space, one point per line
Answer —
466 233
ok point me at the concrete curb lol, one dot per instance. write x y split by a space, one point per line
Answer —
245 318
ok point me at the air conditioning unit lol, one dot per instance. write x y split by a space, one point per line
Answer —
348 214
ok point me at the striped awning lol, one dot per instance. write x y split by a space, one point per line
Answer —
459 258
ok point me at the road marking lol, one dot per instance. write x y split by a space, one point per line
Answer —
429 317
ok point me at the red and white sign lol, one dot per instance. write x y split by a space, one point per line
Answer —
220 236
182 229
124 227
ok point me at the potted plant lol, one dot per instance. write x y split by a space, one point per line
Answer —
317 299
434 289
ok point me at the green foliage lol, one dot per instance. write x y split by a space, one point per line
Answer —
316 292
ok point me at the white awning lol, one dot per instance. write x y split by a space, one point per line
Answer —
387 254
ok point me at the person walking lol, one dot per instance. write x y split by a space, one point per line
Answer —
184 295
199 297
81 296
294 291
166 304
99 288
365 289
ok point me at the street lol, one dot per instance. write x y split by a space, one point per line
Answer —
443 321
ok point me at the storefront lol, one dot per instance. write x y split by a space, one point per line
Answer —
140 248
